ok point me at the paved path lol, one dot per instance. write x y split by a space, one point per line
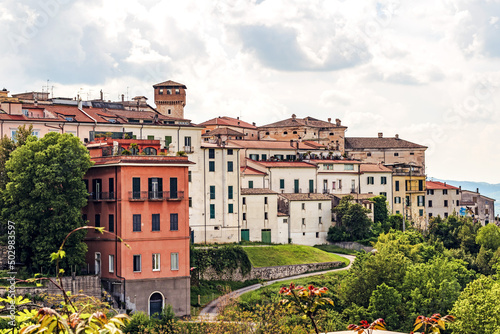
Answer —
209 312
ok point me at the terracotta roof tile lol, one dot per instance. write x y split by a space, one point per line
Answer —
333 161
272 144
307 121
228 121
438 185
223 132
306 197
374 168
251 171
354 143
170 83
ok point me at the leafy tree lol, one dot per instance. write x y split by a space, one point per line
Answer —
396 221
385 303
352 221
489 237
44 197
380 212
477 309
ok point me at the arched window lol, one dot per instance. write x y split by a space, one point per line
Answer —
149 151
155 304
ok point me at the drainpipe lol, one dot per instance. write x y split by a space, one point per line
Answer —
116 237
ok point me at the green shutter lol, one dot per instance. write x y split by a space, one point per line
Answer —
282 183
168 140
230 208
230 192
212 192
212 211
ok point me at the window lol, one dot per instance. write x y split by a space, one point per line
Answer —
446 215
445 203
174 261
420 200
333 185
160 91
212 192
458 202
348 167
303 206
229 166
254 157
420 185
212 211
155 188
211 166
156 262
250 184
265 200
445 191
187 144
430 191
320 220
319 206
174 222
190 202
230 208
111 263
296 186
430 204
294 132
396 185
368 154
383 193
317 234
151 137
244 216
285 132
190 176
211 153
244 200
430 214
97 189
282 183
397 200
168 141
421 213
97 220
370 180
230 151
265 216
137 263
458 191
396 154
303 221
311 186
230 192
111 223
136 188
155 222
408 202
263 157
136 221
383 180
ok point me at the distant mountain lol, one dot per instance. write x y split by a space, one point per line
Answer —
486 189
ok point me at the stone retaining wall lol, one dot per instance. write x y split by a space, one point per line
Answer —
269 273
353 245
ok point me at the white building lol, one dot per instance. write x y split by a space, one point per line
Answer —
376 179
442 199
309 217
260 217
337 176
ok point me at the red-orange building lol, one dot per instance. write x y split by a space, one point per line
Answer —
144 200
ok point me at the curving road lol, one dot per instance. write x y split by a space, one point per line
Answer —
209 312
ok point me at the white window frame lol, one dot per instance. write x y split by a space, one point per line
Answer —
156 262
111 263
174 261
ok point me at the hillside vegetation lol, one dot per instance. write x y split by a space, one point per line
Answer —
282 255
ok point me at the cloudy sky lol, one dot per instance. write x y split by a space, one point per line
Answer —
427 70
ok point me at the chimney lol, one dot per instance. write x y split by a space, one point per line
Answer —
123 97
460 188
397 136
80 104
294 116
477 190
238 117
102 96
253 123
329 119
445 184
338 122
380 135
291 142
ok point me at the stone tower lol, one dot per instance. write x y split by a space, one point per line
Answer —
170 98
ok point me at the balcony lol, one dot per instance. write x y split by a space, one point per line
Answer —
174 195
188 149
156 195
102 196
137 195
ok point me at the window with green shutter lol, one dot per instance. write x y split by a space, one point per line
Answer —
230 192
230 208
212 192
212 211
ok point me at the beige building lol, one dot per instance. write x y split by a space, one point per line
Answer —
477 206
328 134
248 130
260 217
385 150
170 98
442 199
376 179
309 217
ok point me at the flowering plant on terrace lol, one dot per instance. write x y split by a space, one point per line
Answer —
305 300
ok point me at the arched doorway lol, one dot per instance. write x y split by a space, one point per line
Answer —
155 303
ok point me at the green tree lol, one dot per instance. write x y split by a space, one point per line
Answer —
44 197
489 237
357 222
7 146
385 303
380 212
477 309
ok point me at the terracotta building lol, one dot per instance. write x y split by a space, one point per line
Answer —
170 98
325 133
144 200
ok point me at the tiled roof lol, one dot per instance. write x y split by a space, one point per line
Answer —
438 185
285 164
170 83
229 121
272 144
307 121
354 143
251 171
374 168
223 132
257 191
332 161
356 196
306 197
142 160
282 214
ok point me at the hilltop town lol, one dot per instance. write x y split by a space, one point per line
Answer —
162 182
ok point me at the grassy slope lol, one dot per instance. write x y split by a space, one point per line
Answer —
282 255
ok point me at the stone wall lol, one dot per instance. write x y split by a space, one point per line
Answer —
269 273
353 245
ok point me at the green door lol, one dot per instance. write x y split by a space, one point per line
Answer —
266 236
245 235
296 186
311 186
